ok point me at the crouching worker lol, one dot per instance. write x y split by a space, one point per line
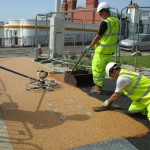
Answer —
134 85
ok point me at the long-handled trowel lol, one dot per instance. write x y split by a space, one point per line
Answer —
78 62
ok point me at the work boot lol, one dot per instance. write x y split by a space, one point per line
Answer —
96 89
133 113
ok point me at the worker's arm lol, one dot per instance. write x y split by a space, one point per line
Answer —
101 31
121 83
95 40
112 99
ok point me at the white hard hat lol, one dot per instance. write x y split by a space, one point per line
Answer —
109 66
102 5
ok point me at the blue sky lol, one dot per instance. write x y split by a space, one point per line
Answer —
28 9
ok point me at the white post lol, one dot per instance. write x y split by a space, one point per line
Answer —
56 43
57 5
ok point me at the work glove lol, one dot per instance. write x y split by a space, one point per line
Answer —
87 48
106 103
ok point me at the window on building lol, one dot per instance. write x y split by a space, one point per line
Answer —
15 33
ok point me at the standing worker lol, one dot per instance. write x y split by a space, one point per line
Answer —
133 85
105 43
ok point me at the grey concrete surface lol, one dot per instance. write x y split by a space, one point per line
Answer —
115 144
5 143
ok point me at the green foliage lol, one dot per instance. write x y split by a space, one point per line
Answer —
81 65
84 62
142 61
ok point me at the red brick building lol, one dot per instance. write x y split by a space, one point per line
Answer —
88 17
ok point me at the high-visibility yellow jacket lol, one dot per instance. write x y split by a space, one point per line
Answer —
139 90
108 43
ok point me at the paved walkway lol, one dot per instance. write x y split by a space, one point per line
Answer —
57 120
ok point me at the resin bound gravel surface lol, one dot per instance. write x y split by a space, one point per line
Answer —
60 119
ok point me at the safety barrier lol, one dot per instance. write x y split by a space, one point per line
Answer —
137 25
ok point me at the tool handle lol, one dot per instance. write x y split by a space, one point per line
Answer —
15 72
78 62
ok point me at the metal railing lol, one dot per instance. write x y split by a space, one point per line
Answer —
128 28
74 43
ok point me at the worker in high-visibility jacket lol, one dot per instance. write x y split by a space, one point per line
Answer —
105 43
134 85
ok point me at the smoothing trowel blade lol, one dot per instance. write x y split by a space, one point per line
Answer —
102 108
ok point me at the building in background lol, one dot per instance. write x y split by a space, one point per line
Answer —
87 17
139 19
21 32
1 31
80 27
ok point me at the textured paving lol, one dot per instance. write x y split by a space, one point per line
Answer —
142 142
34 123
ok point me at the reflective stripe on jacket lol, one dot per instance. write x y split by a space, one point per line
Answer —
108 43
139 90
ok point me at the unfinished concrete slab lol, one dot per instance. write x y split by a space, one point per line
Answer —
115 144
